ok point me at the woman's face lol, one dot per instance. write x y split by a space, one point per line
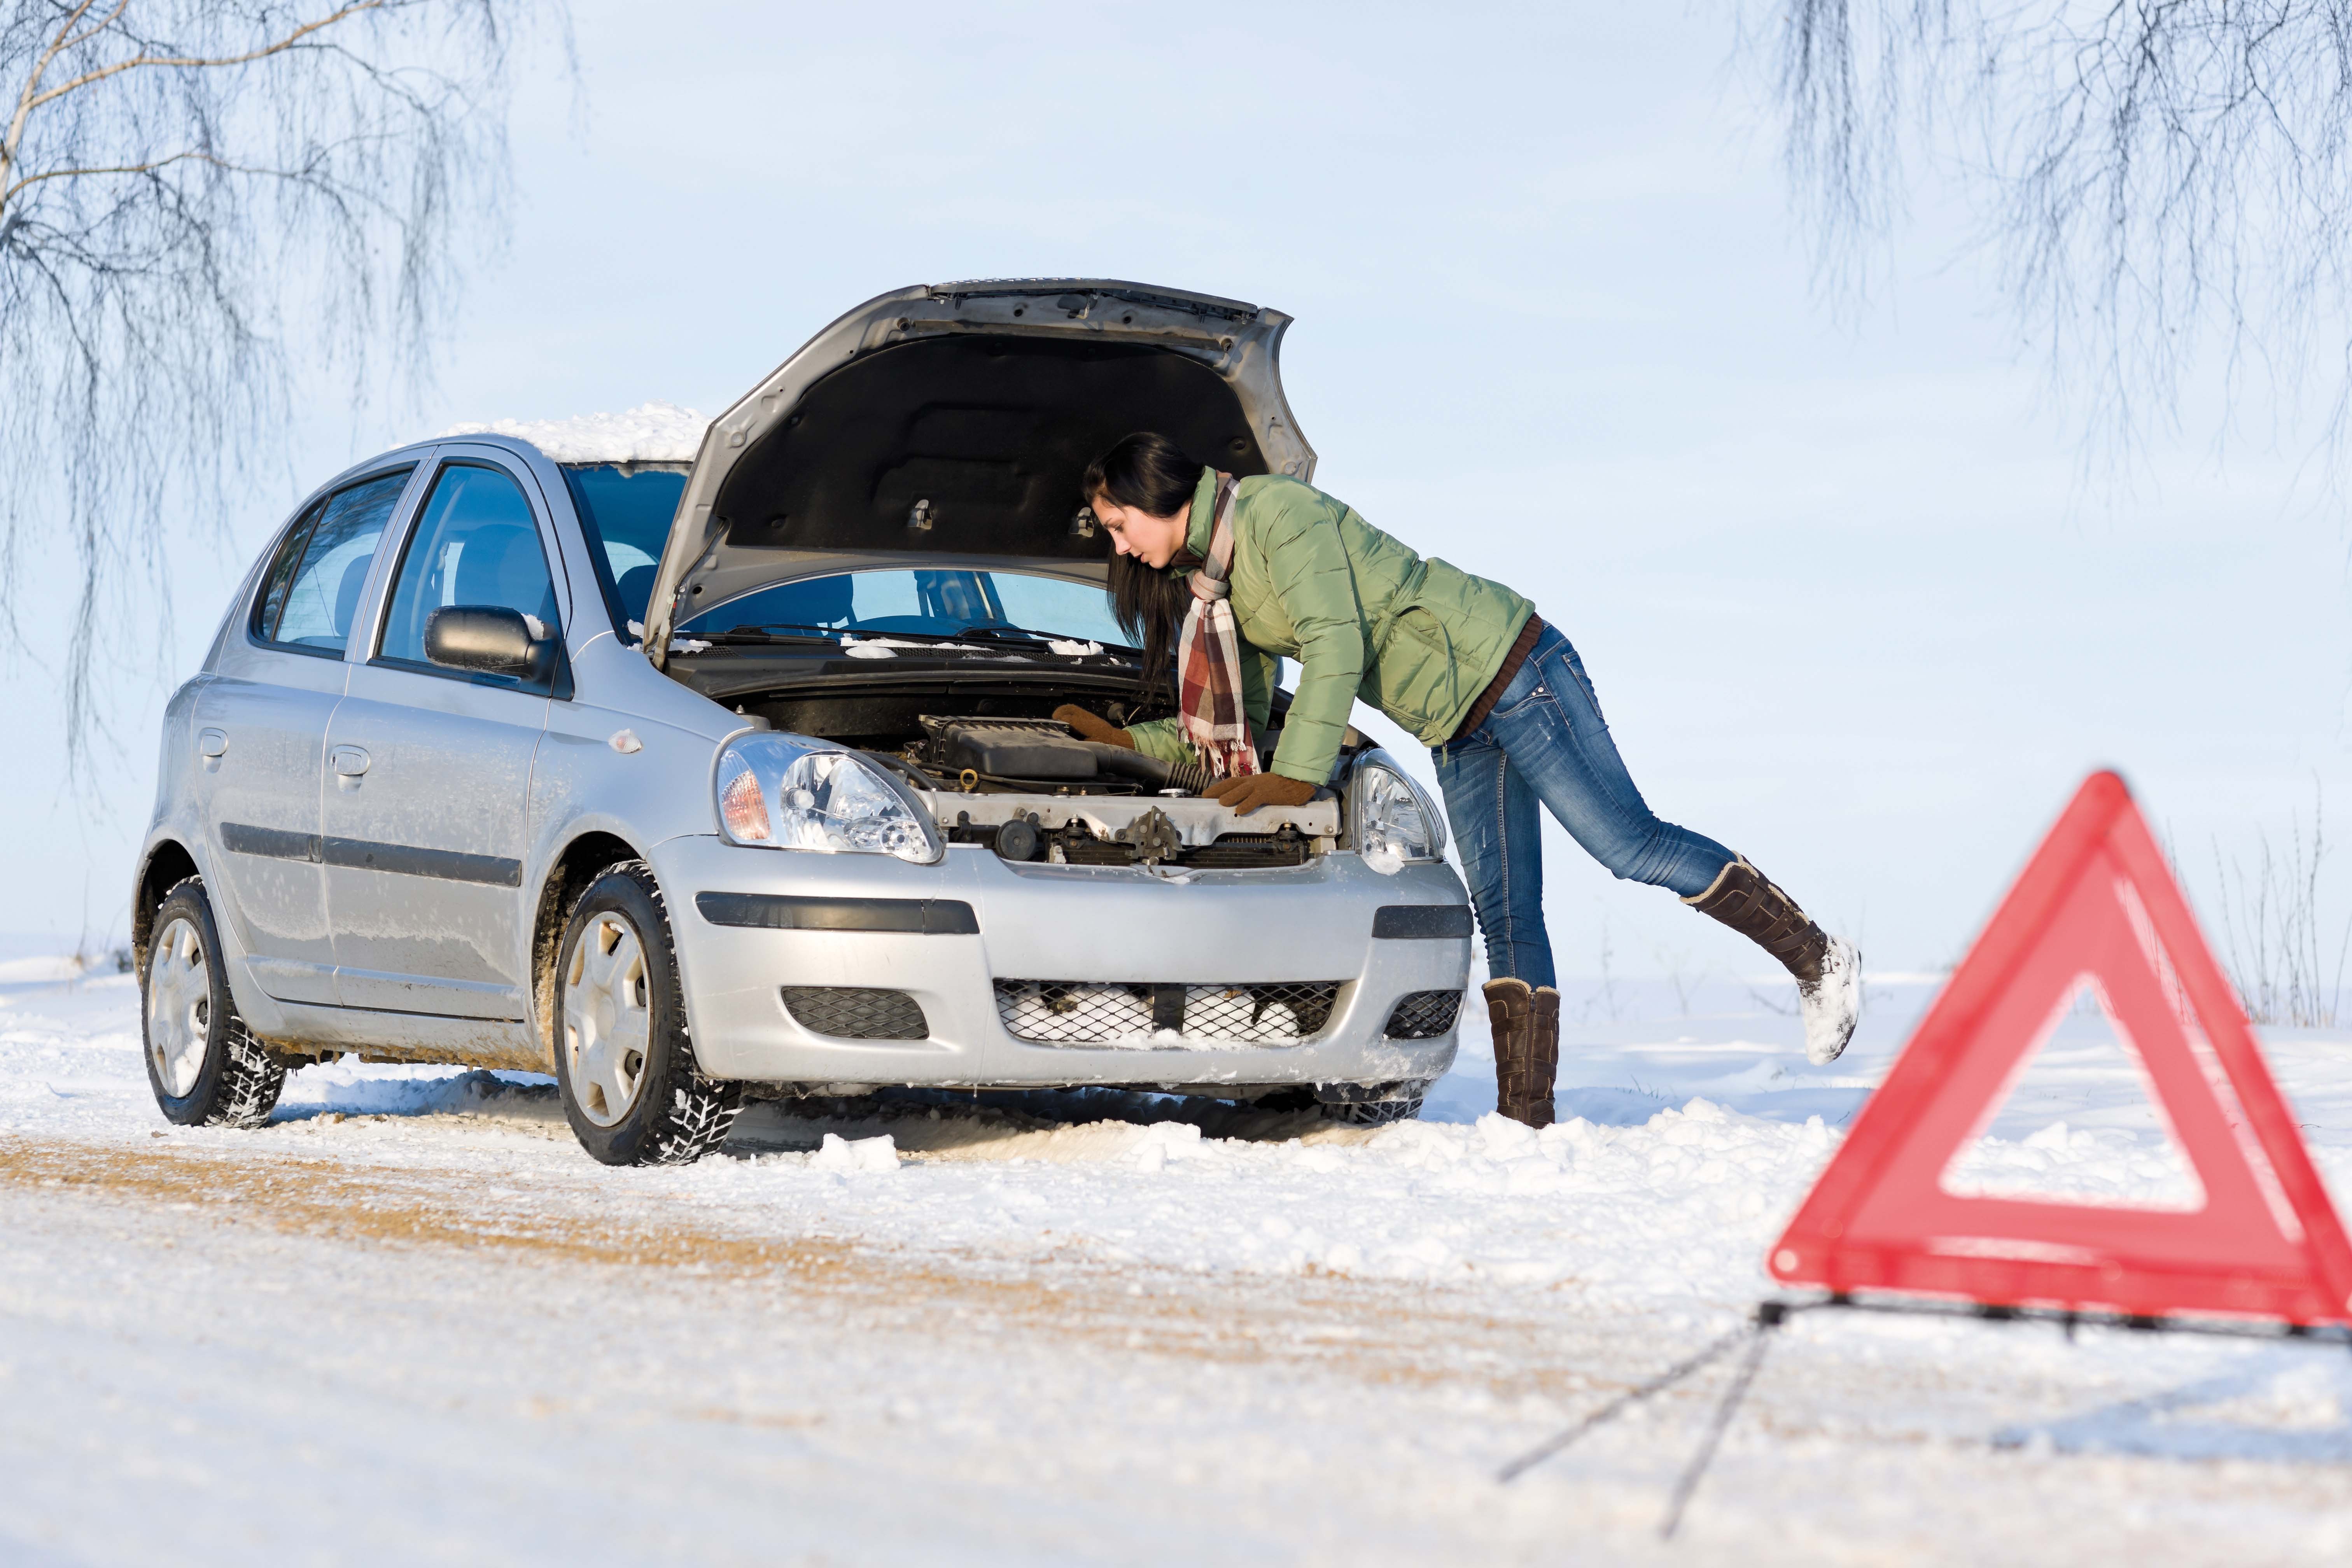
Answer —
1153 541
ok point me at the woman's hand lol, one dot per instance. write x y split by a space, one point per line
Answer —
1091 728
1245 793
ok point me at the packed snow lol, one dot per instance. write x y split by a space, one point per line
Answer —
649 433
411 1319
886 648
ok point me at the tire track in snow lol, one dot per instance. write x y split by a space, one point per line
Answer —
1379 1332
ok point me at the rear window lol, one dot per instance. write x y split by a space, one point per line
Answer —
312 593
625 516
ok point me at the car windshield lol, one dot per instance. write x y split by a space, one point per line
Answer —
923 603
626 515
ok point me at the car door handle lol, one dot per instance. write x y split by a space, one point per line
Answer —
350 761
211 743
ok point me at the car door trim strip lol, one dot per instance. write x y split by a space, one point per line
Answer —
272 843
366 855
408 860
785 911
1426 923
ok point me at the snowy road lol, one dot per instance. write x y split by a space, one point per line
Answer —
410 1322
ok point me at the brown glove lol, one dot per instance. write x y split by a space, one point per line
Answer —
1245 793
1090 728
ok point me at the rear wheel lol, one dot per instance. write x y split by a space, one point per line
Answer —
205 1065
623 1058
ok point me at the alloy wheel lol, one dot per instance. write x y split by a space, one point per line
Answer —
607 1019
179 1007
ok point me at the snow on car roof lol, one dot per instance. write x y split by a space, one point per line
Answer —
649 433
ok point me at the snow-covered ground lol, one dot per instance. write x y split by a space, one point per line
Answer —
411 1322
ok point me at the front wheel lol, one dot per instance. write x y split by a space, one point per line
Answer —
206 1067
1371 1105
622 1061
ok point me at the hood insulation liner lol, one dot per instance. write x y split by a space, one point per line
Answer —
991 431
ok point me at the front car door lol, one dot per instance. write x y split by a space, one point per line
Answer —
261 733
428 769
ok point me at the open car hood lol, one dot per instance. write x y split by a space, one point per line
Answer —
950 423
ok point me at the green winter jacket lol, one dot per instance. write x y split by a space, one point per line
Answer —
1363 615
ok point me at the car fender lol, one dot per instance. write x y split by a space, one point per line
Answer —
177 826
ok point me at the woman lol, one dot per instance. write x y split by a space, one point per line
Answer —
1234 574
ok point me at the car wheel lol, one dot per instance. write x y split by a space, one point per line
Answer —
623 1059
205 1065
1377 1106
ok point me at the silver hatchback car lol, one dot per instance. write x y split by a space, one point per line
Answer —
693 781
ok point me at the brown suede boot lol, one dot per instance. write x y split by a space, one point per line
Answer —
1527 1049
1828 970
1743 899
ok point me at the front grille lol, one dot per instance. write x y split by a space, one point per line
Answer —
1088 1012
1422 1014
854 1013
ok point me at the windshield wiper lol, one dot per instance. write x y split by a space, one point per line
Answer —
1008 633
776 631
806 631
996 633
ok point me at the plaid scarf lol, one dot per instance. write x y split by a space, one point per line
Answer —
1209 658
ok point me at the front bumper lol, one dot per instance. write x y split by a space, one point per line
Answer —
1312 922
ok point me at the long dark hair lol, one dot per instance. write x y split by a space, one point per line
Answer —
1151 473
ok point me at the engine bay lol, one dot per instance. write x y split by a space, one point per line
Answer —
996 770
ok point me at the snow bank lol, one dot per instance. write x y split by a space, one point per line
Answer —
649 433
1681 1149
44 970
1535 1272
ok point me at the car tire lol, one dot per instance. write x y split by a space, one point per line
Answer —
624 1060
1401 1106
204 1064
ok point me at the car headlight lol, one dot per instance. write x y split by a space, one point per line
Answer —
1390 822
774 793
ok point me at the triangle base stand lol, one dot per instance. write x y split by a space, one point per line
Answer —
2070 1319
1755 1335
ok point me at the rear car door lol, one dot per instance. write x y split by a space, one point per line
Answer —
428 768
260 734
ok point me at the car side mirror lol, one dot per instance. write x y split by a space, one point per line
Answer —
488 638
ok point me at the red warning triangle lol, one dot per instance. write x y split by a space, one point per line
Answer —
2097 905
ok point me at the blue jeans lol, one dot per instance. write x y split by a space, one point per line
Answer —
1546 741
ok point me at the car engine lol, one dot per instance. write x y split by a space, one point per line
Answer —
1000 774
986 776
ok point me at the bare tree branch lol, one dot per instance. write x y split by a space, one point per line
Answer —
63 40
111 169
263 53
2160 185
199 201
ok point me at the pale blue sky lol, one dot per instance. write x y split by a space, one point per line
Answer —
1848 608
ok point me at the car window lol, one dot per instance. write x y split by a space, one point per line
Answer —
625 516
312 592
940 603
475 542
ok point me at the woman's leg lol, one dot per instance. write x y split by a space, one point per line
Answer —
1501 842
1549 725
1500 836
